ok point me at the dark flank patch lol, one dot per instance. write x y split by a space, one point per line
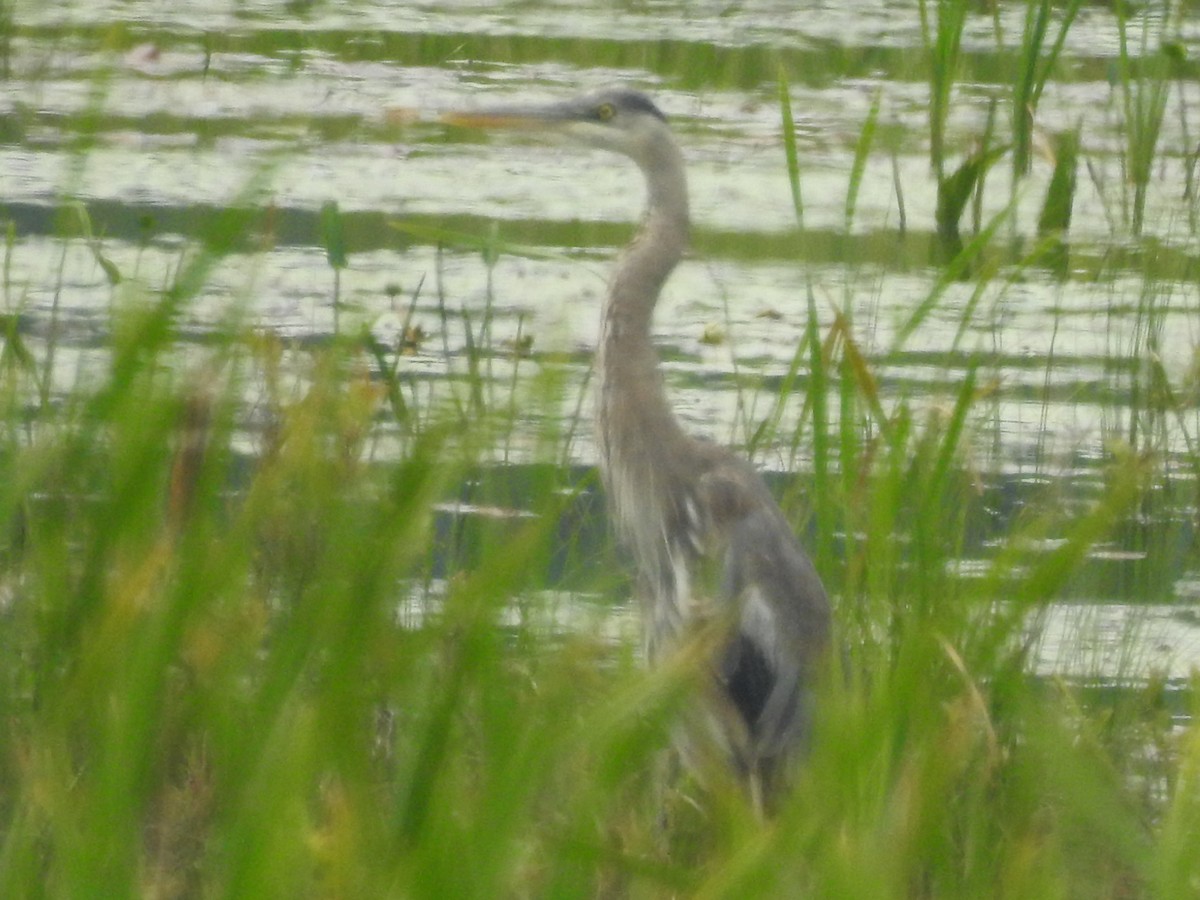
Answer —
748 678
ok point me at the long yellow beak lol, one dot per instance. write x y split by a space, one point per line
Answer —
516 117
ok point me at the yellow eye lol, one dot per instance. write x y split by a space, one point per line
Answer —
605 112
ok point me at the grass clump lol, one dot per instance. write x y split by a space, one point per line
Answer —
245 651
210 688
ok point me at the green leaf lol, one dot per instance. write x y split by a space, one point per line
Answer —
861 151
955 190
1060 194
332 235
789 148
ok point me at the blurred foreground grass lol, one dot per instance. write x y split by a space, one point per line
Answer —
207 688
229 668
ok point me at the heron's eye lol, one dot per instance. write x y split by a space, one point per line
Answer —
605 112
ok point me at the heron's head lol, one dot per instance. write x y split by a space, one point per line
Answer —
616 119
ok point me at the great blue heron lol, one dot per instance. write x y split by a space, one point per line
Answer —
714 553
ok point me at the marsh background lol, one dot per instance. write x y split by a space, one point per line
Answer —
305 585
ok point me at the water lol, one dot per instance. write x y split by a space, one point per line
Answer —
158 117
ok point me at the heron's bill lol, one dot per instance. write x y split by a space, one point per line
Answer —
518 118
488 120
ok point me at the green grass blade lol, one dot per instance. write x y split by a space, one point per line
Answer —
862 151
791 155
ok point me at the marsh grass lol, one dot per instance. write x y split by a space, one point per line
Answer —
1144 85
1036 63
207 692
942 24
259 662
948 657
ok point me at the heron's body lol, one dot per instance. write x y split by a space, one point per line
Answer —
716 559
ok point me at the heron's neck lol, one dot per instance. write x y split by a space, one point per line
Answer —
640 439
652 255
628 365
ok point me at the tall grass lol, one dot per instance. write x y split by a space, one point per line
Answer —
211 692
259 662
1144 85
949 771
1033 71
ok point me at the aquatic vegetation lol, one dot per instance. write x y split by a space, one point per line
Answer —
304 586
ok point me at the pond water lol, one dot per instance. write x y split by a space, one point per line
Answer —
158 117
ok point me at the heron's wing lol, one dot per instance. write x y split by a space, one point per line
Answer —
781 609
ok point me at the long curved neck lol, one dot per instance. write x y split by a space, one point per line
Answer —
640 439
653 253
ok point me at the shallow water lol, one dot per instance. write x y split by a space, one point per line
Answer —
158 117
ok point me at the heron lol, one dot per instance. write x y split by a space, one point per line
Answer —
713 552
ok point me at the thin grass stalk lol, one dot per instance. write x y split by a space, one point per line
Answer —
859 372
767 430
952 437
334 239
47 377
822 464
1040 454
740 428
791 156
512 410
851 426
1146 338
1176 868
1034 68
862 152
576 416
943 45
984 151
491 258
953 273
1144 98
